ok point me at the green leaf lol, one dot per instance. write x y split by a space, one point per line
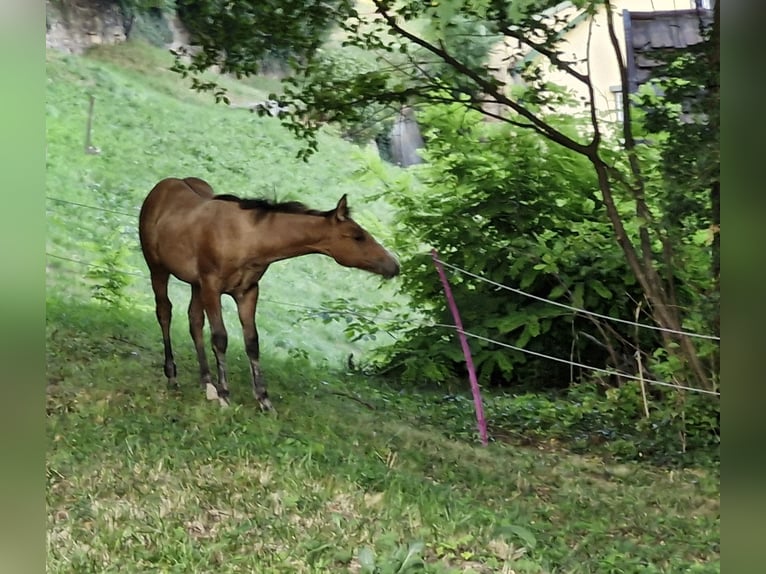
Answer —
411 558
578 296
523 339
557 291
600 288
529 276
504 363
366 560
514 531
510 322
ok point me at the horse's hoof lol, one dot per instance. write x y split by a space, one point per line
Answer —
223 401
267 407
211 392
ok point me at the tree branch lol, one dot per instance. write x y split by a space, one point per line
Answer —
546 129
552 56
591 93
642 210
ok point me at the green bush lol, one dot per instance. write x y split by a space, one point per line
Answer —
505 204
681 427
153 27
147 19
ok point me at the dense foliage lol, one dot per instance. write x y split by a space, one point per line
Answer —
254 32
506 205
470 40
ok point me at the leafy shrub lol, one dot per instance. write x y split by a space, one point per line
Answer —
505 204
681 427
255 33
110 243
153 27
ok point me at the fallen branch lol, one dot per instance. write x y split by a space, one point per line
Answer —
127 342
353 398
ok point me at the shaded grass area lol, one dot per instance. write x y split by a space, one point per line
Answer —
166 481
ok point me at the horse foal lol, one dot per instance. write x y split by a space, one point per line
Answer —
223 244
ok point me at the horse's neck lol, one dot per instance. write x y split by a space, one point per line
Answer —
295 234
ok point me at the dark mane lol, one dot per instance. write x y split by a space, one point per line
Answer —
265 206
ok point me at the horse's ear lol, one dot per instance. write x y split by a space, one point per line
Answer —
341 210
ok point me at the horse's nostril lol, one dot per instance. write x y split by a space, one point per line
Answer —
392 271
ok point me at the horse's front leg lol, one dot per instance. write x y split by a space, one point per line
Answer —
211 301
246 303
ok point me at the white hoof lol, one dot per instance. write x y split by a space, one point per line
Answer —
211 393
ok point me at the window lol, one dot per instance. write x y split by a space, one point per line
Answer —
702 4
617 101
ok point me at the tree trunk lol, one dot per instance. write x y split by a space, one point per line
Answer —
665 314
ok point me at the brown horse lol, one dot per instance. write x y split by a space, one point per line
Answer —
224 244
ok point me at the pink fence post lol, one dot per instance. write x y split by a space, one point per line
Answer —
481 422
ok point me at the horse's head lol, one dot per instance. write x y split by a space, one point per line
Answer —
352 246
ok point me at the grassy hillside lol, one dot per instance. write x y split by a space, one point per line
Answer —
353 474
148 130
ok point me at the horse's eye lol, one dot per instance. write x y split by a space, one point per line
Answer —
359 237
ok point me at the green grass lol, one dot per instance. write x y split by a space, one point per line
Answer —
166 481
353 471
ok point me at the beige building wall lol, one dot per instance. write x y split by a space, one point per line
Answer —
600 56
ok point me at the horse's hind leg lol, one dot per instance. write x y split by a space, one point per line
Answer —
196 326
164 309
246 304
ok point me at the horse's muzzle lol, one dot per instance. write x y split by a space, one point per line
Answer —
389 268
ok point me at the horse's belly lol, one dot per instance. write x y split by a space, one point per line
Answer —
243 279
188 275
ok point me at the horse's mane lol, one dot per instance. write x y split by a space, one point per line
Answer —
265 206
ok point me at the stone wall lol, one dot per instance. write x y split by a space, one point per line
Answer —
75 25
